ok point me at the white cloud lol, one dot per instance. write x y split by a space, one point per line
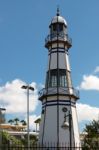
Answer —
14 98
41 86
32 118
15 101
87 113
96 70
90 82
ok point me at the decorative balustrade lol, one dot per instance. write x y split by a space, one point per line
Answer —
61 91
59 36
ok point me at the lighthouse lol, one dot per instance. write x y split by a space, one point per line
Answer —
59 122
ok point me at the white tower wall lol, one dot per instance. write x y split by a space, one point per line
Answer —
50 127
63 61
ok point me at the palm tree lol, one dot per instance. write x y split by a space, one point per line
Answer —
23 122
10 121
16 121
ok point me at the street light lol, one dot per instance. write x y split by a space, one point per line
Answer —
67 124
28 87
2 120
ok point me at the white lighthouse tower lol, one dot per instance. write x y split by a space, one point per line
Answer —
59 117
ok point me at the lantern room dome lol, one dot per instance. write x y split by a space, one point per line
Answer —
59 19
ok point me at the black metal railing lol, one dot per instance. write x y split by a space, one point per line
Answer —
63 91
48 146
61 36
36 145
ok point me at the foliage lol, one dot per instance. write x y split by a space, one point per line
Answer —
91 138
14 141
23 122
10 121
38 120
16 121
11 140
33 140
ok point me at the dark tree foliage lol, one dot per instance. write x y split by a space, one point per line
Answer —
91 138
10 121
23 122
16 121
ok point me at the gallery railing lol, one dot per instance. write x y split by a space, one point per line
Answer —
61 91
60 36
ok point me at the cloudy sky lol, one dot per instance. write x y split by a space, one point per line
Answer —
23 58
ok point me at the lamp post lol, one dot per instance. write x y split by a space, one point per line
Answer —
67 124
2 119
28 87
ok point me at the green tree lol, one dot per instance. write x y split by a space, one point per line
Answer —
16 121
7 138
23 122
11 121
91 138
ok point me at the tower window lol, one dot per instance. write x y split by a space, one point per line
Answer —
52 80
54 27
60 28
62 78
63 81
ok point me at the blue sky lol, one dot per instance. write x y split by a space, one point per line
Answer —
23 58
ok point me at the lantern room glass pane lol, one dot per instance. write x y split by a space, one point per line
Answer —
52 80
57 27
60 27
54 27
63 81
